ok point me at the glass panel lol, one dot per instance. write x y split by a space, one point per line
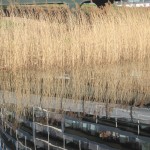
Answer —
92 127
75 124
68 123
84 125
145 146
123 139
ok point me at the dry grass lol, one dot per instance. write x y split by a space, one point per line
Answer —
104 53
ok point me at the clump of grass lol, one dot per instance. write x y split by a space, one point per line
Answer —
102 55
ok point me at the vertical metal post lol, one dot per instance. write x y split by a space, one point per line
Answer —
116 119
96 113
17 146
0 143
16 135
138 127
26 142
24 113
79 145
5 126
41 93
2 115
97 147
47 116
16 141
116 122
102 111
33 128
64 141
11 131
63 123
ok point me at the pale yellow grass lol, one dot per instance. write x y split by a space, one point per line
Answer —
105 53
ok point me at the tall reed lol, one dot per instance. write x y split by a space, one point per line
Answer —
100 55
